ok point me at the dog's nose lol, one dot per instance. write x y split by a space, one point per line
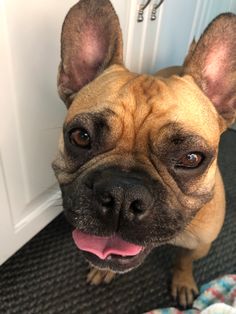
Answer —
121 195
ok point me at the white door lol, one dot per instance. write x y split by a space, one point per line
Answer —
31 113
30 119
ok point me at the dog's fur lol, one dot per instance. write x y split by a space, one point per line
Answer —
140 127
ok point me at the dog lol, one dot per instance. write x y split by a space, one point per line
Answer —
137 158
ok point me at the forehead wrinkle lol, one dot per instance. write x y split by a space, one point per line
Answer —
145 90
154 101
138 99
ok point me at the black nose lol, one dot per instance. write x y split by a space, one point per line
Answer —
122 194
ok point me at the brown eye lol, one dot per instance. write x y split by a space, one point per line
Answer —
190 160
80 137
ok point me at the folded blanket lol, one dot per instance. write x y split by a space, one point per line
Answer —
216 297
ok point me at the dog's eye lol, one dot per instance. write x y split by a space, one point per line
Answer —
80 137
190 160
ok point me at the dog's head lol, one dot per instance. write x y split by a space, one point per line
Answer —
137 156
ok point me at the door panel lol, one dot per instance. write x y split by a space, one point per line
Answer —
31 118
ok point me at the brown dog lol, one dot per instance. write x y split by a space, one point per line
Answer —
137 161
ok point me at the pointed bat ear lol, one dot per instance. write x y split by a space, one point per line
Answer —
212 64
91 40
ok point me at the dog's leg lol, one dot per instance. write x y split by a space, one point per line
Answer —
184 288
97 276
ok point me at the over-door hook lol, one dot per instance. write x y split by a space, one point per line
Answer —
142 7
154 10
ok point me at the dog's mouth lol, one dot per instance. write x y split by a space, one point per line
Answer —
109 252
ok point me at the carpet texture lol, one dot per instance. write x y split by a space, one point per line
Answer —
48 275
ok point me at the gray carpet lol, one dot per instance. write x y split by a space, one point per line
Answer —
48 274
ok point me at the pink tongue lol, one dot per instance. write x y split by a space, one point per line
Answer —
104 246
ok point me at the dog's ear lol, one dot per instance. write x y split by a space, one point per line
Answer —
212 64
91 40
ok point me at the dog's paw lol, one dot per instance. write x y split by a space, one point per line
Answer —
184 289
97 276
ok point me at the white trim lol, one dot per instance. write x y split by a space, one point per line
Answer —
49 202
127 25
208 12
156 42
199 26
232 6
143 38
198 10
130 31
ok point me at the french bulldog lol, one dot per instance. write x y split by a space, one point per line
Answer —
137 160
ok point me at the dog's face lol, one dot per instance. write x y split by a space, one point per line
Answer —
137 157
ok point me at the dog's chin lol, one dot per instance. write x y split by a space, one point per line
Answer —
117 263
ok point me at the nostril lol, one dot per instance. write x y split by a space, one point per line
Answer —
137 207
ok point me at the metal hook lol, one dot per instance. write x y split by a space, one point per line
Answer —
142 7
154 10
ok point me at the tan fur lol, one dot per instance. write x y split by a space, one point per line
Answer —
143 107
137 116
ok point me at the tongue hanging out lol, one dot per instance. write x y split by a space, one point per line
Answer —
104 246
